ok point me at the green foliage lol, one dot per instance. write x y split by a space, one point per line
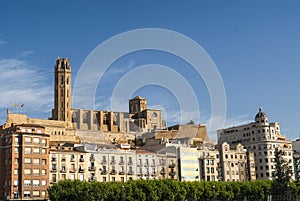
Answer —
165 190
281 176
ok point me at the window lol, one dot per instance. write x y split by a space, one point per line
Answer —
44 142
16 161
16 140
44 182
26 193
15 171
43 151
36 161
16 182
35 193
36 182
39 131
28 140
44 161
44 172
16 150
36 171
27 150
36 140
27 171
36 150
26 182
43 193
27 160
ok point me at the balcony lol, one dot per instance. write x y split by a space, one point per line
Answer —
162 172
81 170
92 159
121 163
140 174
146 164
103 162
73 170
53 159
130 173
104 172
113 172
53 180
121 173
172 173
130 163
72 159
63 170
63 159
172 165
93 178
53 170
81 160
147 174
92 168
113 162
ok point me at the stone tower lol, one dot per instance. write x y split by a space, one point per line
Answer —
137 104
62 90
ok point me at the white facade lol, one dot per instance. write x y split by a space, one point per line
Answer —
262 138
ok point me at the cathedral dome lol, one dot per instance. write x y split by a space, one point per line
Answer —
260 114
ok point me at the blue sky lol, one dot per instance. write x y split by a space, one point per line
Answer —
255 45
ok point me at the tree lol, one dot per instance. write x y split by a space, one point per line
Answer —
281 176
191 122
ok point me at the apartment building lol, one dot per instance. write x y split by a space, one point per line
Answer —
234 163
262 138
146 165
88 162
24 156
209 162
188 164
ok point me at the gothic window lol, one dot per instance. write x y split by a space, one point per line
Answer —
62 79
85 118
74 117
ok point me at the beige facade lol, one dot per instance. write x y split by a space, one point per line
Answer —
24 155
262 138
234 163
209 163
90 163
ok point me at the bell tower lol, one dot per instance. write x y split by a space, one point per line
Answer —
62 90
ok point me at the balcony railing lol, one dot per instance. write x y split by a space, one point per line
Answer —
53 170
113 162
63 170
113 172
81 170
121 173
103 172
103 162
53 180
172 173
172 165
53 159
92 159
73 170
92 168
130 173
81 160
93 178
121 163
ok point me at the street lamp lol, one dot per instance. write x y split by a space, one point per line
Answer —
123 192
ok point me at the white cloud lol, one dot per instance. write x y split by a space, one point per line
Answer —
2 42
26 53
24 83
